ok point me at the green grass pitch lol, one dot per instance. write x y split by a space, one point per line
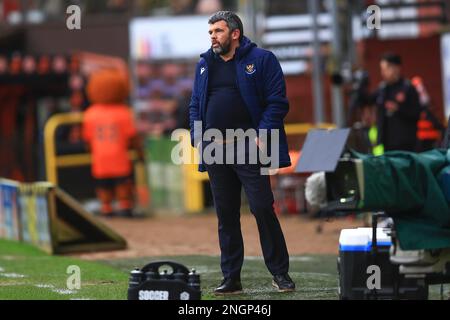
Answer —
27 273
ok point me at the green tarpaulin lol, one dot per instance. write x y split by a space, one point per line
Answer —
406 186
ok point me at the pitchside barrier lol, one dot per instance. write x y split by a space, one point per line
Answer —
45 216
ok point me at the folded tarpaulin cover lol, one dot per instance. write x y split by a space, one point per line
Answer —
408 187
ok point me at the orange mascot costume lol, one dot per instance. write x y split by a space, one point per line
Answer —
109 131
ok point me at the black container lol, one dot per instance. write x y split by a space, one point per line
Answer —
136 278
194 280
159 284
152 274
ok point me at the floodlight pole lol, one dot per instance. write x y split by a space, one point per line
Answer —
319 116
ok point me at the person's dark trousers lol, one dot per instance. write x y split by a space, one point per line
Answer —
226 183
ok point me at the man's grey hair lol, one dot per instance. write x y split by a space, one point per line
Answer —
232 20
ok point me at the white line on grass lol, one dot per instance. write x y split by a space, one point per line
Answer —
54 289
314 274
12 275
44 286
60 291
64 291
39 285
301 259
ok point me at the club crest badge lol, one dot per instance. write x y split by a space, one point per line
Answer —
250 69
400 97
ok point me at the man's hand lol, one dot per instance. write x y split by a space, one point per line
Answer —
261 145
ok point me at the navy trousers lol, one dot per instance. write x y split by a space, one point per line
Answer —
226 183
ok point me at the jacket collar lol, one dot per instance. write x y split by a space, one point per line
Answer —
245 46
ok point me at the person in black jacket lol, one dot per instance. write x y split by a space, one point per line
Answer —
398 107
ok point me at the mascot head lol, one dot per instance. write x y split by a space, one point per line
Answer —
107 87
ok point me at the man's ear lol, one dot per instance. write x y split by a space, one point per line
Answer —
236 34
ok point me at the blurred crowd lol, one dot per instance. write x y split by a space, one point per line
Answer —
162 94
36 11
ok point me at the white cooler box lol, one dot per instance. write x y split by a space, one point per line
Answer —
366 275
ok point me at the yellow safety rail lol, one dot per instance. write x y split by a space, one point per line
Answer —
52 161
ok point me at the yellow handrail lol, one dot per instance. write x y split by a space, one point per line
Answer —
52 160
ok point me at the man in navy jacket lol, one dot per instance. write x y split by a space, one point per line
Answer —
241 87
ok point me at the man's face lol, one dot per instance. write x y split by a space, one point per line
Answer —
220 37
389 72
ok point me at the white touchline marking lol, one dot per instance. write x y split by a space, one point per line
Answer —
45 286
304 259
64 291
9 258
12 275
253 258
59 291
301 259
315 274
12 284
